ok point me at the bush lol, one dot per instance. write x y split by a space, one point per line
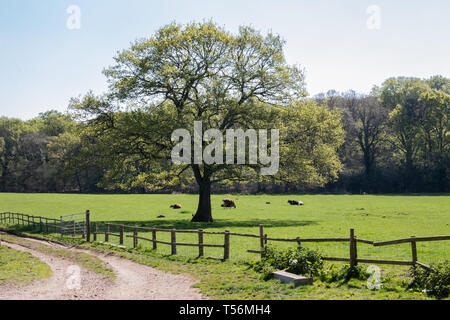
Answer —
435 283
300 260
343 274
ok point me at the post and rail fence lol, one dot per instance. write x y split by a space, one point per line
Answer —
74 224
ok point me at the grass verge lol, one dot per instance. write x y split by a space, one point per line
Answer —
85 260
21 268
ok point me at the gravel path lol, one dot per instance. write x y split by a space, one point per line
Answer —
133 281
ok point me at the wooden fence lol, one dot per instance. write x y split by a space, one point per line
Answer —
47 224
173 237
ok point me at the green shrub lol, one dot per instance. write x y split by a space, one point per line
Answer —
343 274
435 283
300 260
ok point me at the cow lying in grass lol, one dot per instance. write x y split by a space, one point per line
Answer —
295 203
176 206
228 203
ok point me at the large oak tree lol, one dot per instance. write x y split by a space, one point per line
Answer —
200 72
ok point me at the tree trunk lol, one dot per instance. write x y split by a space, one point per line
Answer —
3 178
204 213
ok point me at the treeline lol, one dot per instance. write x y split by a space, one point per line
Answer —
46 154
397 140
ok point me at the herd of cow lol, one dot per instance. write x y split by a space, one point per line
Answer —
229 203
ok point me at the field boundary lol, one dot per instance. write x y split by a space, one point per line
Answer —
45 225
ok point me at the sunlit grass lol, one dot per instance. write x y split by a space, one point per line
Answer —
373 217
21 268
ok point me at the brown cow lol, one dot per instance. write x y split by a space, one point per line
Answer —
228 203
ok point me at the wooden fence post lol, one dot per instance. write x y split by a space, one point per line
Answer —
88 226
121 235
173 241
414 251
95 231
61 227
261 239
135 239
155 245
201 251
106 232
353 249
226 253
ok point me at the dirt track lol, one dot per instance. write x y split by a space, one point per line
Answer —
133 281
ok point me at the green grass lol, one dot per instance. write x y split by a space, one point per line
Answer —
87 261
238 281
21 268
373 217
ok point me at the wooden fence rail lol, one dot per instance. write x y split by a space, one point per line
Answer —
173 238
46 224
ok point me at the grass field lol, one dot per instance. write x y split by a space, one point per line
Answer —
373 217
20 268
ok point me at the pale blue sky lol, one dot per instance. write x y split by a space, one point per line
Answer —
43 63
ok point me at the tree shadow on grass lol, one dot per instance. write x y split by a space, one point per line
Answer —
218 224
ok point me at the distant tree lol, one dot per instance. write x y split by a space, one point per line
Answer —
401 96
368 121
10 133
439 83
435 128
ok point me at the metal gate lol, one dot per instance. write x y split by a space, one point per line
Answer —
75 225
